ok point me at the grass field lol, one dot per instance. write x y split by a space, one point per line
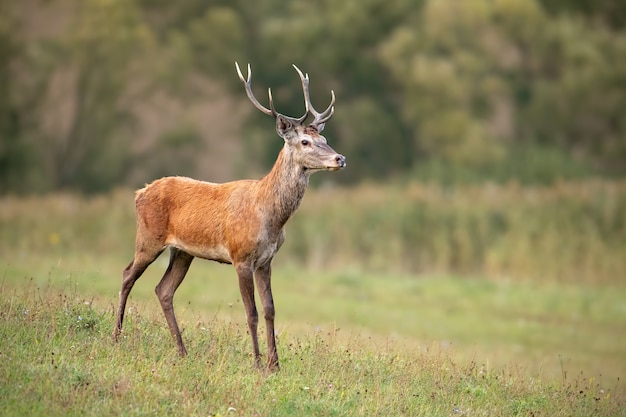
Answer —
473 345
353 340
57 360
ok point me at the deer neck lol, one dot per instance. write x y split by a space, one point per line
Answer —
283 188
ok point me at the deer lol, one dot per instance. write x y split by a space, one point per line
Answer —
241 222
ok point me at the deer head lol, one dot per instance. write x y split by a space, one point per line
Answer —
303 143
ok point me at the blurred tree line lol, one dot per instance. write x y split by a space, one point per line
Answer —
443 90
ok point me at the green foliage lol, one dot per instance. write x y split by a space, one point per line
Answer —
214 37
174 154
462 85
75 98
14 149
589 121
478 76
609 12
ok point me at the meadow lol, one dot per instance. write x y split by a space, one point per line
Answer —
407 300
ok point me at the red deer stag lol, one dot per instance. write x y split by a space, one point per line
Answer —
239 222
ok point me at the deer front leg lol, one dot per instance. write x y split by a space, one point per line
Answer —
174 275
246 287
263 277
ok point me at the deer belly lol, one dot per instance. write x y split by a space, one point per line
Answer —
217 253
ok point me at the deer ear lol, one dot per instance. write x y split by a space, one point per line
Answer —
283 126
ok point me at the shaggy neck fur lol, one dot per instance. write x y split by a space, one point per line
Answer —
284 186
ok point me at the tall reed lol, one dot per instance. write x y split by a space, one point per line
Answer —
566 232
571 231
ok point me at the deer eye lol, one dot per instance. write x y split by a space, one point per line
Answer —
304 142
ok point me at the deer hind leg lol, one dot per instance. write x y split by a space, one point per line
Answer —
174 275
131 274
263 281
246 287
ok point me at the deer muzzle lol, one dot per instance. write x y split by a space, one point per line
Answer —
340 162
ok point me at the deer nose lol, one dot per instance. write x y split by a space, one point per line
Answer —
341 161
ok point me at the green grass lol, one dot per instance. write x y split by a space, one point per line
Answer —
460 338
57 359
416 300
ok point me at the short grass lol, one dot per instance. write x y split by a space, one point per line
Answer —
350 343
57 359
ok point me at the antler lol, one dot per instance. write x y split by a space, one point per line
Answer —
271 111
320 118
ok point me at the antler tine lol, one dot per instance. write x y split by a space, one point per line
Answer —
305 90
330 110
319 117
248 86
269 94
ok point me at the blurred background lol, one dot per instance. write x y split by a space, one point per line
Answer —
102 93
484 201
482 136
